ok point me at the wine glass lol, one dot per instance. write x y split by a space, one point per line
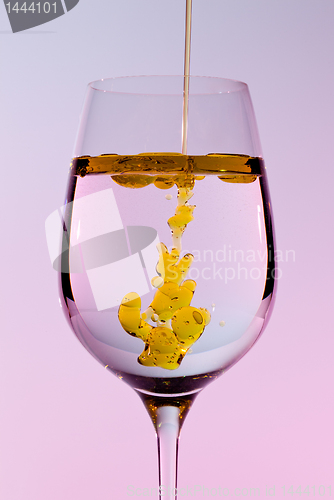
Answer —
166 269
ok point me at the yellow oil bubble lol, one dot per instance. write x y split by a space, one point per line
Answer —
238 179
164 182
198 317
157 281
133 181
182 217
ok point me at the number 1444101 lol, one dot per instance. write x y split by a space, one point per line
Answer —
34 7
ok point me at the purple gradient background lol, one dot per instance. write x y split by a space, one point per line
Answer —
68 429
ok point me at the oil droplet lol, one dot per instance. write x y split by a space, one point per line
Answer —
133 181
213 305
242 179
157 281
168 196
198 317
164 182
222 323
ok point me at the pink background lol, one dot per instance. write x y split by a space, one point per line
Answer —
68 429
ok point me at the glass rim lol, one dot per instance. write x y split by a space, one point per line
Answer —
234 85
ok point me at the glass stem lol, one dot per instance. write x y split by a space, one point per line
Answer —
168 431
